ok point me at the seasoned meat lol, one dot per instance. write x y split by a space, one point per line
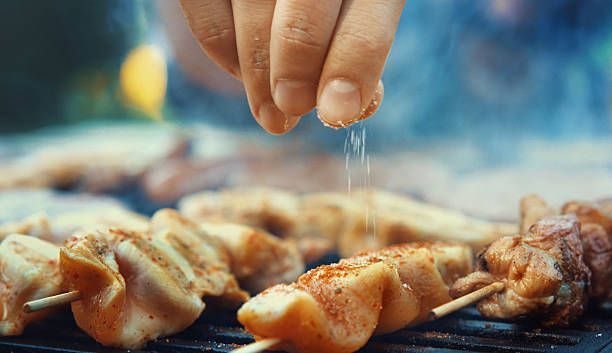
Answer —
597 243
589 213
28 271
207 255
133 289
36 225
394 219
258 259
270 209
139 286
370 219
544 272
60 227
336 308
533 208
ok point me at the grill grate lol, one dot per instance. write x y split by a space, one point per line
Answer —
466 330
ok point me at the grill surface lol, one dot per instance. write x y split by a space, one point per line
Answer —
463 331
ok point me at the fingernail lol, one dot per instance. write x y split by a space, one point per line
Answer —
340 102
273 120
295 97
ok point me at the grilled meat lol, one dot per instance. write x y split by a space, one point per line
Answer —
273 210
532 209
28 271
544 272
596 235
60 227
597 243
365 220
336 308
135 287
258 259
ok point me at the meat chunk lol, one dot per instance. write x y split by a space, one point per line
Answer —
135 287
207 255
544 271
533 208
258 259
371 219
270 209
28 271
396 219
597 243
60 227
336 308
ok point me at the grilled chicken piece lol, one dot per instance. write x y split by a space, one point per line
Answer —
399 219
258 259
597 243
336 308
28 271
60 227
36 225
367 220
544 271
270 209
532 209
136 287
209 257
596 236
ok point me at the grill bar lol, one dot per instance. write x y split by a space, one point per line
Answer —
464 331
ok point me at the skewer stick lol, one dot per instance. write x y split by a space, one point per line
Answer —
466 300
258 346
56 300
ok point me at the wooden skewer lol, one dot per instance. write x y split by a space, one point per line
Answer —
56 300
466 300
258 346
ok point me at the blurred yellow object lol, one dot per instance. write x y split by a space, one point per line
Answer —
143 79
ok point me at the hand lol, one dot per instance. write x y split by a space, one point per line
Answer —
293 55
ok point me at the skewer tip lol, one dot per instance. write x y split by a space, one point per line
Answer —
56 300
466 300
258 346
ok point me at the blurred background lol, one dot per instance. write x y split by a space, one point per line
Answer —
484 101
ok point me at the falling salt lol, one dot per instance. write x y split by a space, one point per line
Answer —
355 148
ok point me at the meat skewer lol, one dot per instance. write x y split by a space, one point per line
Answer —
595 235
336 220
166 270
28 270
434 314
543 270
336 308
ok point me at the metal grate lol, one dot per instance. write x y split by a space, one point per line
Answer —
218 331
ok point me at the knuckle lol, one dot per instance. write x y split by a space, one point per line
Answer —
298 31
258 59
214 34
364 40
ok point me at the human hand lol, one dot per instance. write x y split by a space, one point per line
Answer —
293 55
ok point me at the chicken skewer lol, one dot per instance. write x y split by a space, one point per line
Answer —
175 258
336 220
544 273
434 314
28 270
595 235
336 308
